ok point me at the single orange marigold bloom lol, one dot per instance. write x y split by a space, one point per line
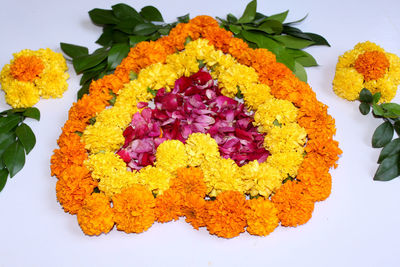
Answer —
227 214
372 64
96 216
26 68
134 209
195 211
294 206
189 181
261 216
168 206
73 187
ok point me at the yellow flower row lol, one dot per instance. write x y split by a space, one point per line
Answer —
47 77
284 139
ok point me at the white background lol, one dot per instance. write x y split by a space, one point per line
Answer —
358 225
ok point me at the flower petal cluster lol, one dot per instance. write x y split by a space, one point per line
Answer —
368 66
298 130
34 74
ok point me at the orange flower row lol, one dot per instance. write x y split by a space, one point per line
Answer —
294 201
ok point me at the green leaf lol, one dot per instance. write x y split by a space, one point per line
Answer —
318 39
84 90
165 30
307 60
74 51
271 26
284 57
125 12
116 54
126 26
300 72
102 16
376 97
151 13
235 29
133 40
397 127
366 96
382 135
378 110
86 62
276 123
151 91
132 75
389 169
33 113
14 158
8 123
392 108
390 149
105 38
119 36
6 139
262 41
239 94
279 17
364 108
184 18
292 42
26 137
297 21
231 18
249 13
144 29
3 178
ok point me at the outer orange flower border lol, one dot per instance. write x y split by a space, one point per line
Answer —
294 200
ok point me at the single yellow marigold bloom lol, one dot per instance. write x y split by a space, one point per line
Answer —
154 179
281 111
368 66
134 209
171 155
201 148
285 138
34 74
287 163
96 216
255 95
261 216
99 137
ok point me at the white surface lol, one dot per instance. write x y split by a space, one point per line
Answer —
358 225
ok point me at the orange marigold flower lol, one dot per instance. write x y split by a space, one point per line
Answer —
189 181
195 211
372 65
204 21
218 37
96 216
261 216
134 209
226 215
315 177
294 206
239 49
74 185
168 206
26 68
86 108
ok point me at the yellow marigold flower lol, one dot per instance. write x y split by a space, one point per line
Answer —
134 209
111 172
256 94
288 163
100 137
199 49
368 66
96 216
201 148
182 64
273 109
171 155
114 116
155 179
285 138
236 77
32 74
260 178
140 89
221 175
261 216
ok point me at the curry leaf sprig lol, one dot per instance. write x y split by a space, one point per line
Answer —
282 39
123 27
389 158
16 140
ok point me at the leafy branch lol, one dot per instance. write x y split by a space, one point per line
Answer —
389 164
16 140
